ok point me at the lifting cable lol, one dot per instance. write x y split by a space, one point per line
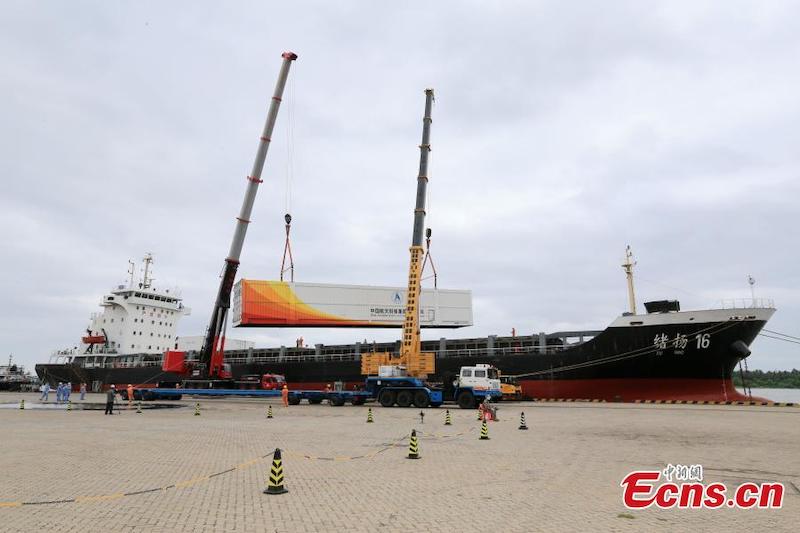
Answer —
428 257
287 247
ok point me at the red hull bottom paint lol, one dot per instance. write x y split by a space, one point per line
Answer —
628 390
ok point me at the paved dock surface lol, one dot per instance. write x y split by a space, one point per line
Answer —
168 470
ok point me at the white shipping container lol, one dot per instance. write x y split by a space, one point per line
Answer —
258 303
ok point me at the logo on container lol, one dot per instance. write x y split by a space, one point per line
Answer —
682 488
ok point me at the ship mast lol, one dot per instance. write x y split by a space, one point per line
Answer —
132 272
628 267
146 278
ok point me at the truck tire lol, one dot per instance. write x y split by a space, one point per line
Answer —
466 400
404 398
421 399
294 400
387 398
336 401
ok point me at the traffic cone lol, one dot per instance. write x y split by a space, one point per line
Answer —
480 415
484 431
139 408
447 420
413 446
522 424
275 480
22 403
269 412
369 415
197 409
69 405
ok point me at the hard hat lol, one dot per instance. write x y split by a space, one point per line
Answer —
113 386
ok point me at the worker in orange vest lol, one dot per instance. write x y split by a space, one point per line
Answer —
285 396
130 394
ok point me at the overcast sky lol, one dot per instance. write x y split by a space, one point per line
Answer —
561 133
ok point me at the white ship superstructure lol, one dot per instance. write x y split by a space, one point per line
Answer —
137 318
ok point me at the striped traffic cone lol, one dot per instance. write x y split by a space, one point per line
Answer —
484 431
139 408
275 480
69 405
369 415
269 412
197 409
522 424
413 446
480 415
447 420
22 403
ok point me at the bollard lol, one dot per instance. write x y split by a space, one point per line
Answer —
522 424
139 408
197 409
69 405
22 403
447 420
275 480
484 431
421 417
269 412
369 415
413 446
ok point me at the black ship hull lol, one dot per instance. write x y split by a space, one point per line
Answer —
677 356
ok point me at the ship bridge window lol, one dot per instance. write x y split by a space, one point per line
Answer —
480 373
466 373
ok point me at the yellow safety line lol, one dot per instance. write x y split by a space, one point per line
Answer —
190 482
86 499
200 479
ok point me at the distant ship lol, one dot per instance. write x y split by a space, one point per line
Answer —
14 377
663 354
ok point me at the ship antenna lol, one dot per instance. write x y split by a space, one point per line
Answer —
628 267
131 271
752 281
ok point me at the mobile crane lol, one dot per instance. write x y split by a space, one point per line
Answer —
210 371
400 379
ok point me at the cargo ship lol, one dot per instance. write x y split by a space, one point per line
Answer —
664 353
14 377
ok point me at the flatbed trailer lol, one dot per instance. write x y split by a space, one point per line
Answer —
159 393
336 398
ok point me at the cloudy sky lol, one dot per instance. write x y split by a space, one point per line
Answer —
561 133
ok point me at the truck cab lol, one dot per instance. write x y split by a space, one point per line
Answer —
474 383
272 382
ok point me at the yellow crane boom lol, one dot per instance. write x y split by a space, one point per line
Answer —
411 359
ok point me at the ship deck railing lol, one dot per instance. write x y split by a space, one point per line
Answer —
746 303
243 358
